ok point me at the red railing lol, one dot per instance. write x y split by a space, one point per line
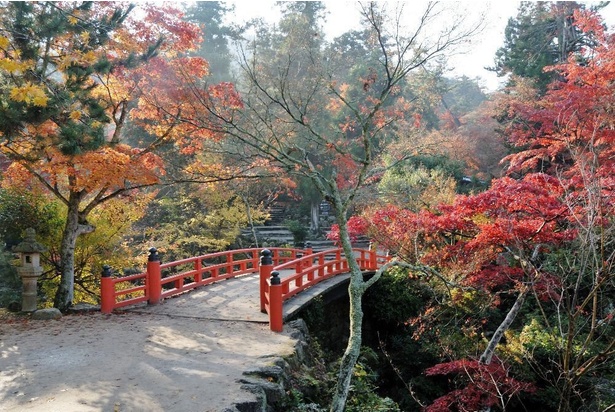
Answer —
309 270
164 280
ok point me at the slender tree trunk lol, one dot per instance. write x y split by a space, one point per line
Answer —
353 349
315 215
73 228
487 355
356 289
497 336
250 220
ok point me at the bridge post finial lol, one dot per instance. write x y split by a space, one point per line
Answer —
275 277
266 258
107 290
153 255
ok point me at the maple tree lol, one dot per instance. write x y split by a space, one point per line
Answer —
570 135
540 238
305 117
74 75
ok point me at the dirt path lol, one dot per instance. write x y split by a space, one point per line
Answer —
143 361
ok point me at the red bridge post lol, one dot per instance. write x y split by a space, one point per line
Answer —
373 252
308 251
276 321
266 265
107 291
154 277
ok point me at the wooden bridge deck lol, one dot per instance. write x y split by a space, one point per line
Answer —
235 299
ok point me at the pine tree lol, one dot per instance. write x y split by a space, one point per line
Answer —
44 81
216 35
542 34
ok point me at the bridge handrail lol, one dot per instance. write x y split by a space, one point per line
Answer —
310 269
308 274
199 272
324 269
126 293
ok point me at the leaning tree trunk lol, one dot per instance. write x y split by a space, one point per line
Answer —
73 228
487 355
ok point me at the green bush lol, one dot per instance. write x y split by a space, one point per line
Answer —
298 230
10 283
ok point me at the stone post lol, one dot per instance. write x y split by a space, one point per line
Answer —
30 269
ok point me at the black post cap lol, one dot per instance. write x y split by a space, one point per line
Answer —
266 257
106 271
275 277
153 255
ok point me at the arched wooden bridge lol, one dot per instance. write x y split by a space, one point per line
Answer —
279 275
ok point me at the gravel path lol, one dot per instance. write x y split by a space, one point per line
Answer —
146 360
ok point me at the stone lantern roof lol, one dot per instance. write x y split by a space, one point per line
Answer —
29 244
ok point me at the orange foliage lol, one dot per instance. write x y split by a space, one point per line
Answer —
166 103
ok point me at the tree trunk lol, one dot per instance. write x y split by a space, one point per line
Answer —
73 228
250 220
353 349
315 216
487 355
356 289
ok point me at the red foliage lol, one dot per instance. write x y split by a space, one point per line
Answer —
485 385
475 236
357 226
570 132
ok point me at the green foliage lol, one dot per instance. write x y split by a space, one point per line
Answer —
193 221
416 188
395 298
311 385
216 36
21 209
10 282
363 394
299 231
421 181
69 87
310 382
542 34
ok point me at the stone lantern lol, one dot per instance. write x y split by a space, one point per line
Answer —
30 268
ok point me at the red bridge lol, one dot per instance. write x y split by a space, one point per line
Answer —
280 274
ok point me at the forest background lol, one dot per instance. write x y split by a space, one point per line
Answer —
124 128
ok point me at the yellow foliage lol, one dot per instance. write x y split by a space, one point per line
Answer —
75 115
4 42
13 66
30 94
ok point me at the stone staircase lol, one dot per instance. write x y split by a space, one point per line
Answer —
277 215
269 235
281 236
273 233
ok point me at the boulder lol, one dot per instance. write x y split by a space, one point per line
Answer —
46 314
